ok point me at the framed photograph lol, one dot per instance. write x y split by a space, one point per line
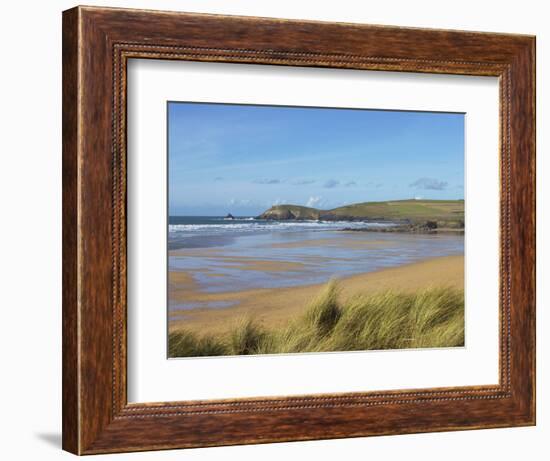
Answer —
282 230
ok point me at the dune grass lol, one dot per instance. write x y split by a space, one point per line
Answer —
432 317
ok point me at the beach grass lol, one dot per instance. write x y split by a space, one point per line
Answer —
428 318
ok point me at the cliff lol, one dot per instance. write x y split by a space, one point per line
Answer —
289 212
446 213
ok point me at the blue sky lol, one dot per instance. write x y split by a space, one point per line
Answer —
242 159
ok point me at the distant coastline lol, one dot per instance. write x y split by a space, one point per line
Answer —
412 216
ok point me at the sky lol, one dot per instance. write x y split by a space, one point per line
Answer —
243 159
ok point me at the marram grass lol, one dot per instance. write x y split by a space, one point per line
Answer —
432 317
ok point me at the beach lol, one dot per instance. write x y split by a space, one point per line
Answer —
222 271
267 256
273 307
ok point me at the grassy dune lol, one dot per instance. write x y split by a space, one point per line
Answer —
432 317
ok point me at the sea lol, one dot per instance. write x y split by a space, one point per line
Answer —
225 255
208 231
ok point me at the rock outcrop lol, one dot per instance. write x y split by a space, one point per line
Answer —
423 216
290 212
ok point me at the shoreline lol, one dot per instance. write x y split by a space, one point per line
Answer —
410 229
273 307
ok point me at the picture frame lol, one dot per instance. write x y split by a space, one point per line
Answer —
97 44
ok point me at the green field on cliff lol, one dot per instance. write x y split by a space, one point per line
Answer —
444 211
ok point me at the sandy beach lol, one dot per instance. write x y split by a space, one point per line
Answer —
273 307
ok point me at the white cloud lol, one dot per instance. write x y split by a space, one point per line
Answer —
314 201
267 181
429 184
302 182
331 183
234 201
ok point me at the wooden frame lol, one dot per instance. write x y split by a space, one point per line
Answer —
97 43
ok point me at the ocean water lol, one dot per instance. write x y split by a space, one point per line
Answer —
208 231
245 253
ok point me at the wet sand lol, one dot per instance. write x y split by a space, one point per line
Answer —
332 242
273 307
